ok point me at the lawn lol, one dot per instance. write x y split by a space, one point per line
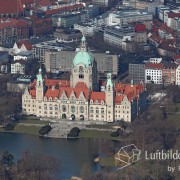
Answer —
24 129
35 121
97 134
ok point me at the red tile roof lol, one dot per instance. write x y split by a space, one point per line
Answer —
81 85
25 43
76 91
168 45
154 66
131 92
121 90
44 3
173 15
164 27
98 96
155 37
177 57
32 92
12 23
52 82
11 6
64 9
27 1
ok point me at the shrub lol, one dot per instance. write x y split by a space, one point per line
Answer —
9 127
74 132
114 134
120 131
45 129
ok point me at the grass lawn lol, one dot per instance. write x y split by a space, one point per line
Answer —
24 129
35 121
107 161
97 134
100 126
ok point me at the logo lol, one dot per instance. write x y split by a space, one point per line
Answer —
127 155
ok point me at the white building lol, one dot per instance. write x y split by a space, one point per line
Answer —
128 16
178 75
153 73
117 35
79 98
86 29
155 60
18 67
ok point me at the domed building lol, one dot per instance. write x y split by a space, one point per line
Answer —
79 98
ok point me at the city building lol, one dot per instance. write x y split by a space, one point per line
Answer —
79 98
88 29
4 56
62 61
11 8
68 20
137 72
103 3
5 67
169 73
129 16
12 30
39 26
22 46
116 35
18 67
153 73
65 35
178 75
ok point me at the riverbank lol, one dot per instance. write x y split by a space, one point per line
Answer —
98 131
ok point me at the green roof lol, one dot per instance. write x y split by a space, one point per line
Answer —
109 80
39 76
83 57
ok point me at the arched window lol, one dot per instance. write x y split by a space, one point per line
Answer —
97 110
102 110
81 109
50 107
56 107
45 112
45 106
81 69
91 110
81 72
72 109
64 108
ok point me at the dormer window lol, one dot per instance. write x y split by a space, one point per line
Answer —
81 69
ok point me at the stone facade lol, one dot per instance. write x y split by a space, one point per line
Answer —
79 98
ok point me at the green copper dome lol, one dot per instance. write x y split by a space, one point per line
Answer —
83 56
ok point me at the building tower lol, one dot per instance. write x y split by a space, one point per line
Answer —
109 91
84 68
39 86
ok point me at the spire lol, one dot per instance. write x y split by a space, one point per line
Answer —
132 83
109 80
83 44
39 75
